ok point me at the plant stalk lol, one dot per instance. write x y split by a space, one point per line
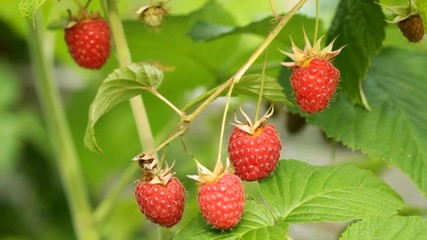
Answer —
60 135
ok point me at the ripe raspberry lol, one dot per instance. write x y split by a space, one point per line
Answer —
88 40
314 84
162 204
314 79
160 196
222 201
254 155
412 28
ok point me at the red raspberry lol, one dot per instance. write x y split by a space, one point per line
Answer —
254 155
88 42
221 202
314 79
162 204
314 84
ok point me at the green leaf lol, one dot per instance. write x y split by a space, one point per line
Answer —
121 85
28 8
387 227
395 129
249 85
422 9
298 193
256 223
358 25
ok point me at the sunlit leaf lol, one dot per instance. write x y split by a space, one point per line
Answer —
298 193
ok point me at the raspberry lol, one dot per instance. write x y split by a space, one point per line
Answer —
221 202
254 155
314 84
314 79
162 204
88 41
159 194
412 28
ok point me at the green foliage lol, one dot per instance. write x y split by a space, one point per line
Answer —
198 51
298 193
257 222
121 85
250 85
359 26
387 227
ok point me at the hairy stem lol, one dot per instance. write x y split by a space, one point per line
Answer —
60 135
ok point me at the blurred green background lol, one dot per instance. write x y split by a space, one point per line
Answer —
32 201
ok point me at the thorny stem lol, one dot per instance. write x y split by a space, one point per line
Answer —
258 106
